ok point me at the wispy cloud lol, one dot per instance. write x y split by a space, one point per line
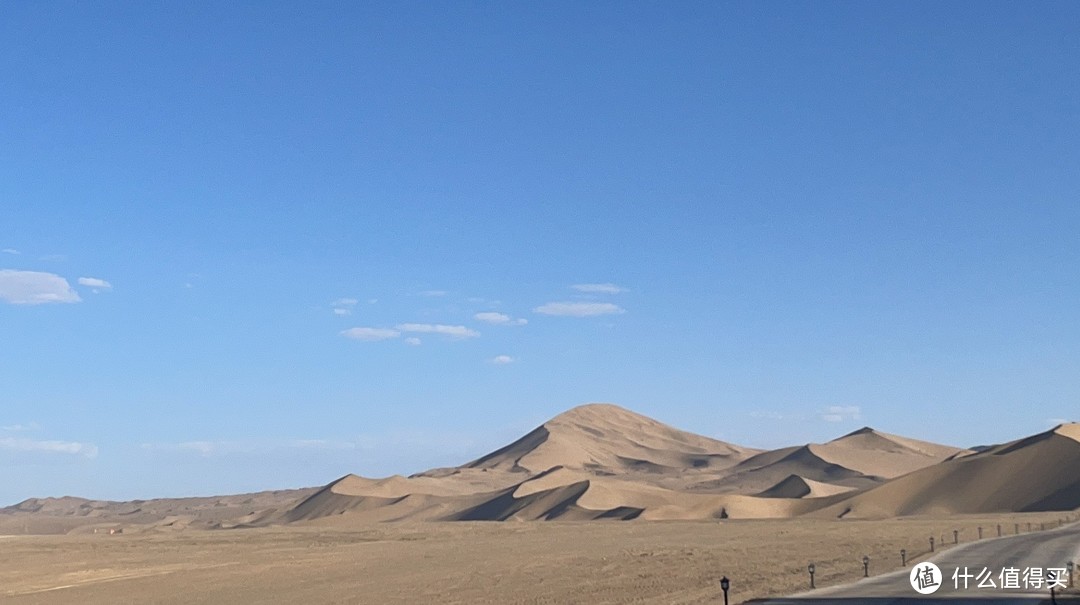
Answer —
579 309
370 334
209 449
607 288
840 413
499 319
35 288
18 428
445 330
95 283
11 251
73 448
413 341
343 306
773 415
502 359
434 293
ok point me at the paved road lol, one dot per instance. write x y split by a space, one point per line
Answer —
1043 550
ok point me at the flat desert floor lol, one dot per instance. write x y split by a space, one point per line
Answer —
471 562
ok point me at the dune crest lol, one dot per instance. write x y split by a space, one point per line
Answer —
795 486
607 439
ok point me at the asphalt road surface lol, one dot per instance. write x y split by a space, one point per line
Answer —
1042 550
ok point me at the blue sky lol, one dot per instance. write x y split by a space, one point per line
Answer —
261 246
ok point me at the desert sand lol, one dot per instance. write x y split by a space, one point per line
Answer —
487 563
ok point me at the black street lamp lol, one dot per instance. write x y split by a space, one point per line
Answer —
931 543
1053 596
955 536
1070 566
903 557
810 568
1016 528
999 530
724 585
980 532
865 566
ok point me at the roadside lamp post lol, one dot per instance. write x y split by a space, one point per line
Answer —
1016 528
999 530
865 566
810 568
955 536
931 543
903 557
724 585
1070 566
1053 596
980 533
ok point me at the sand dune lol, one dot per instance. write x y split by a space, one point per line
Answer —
607 439
858 460
566 494
761 473
795 486
877 454
1039 473
601 461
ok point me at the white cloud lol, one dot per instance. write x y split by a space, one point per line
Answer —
502 359
413 341
499 319
771 415
74 448
11 251
451 331
840 413
18 428
578 309
343 306
209 449
599 288
434 293
93 282
35 288
370 334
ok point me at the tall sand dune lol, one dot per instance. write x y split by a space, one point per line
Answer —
1039 473
607 439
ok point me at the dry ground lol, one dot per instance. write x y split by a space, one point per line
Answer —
597 562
